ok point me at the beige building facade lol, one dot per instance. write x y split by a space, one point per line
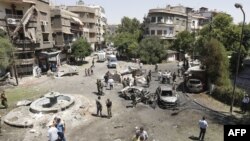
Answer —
28 25
94 22
169 21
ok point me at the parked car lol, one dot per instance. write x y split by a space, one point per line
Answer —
166 96
128 91
194 85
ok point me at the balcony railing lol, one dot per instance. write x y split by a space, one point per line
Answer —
25 61
18 42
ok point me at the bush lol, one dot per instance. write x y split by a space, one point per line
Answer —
224 94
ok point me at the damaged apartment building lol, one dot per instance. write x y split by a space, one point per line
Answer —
43 34
28 25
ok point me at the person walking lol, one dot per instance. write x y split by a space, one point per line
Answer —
52 132
174 77
244 104
60 125
109 106
98 106
148 80
93 62
149 74
203 126
86 72
92 71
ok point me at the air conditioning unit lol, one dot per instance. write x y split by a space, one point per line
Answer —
11 21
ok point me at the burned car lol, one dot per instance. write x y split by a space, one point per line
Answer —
127 92
167 97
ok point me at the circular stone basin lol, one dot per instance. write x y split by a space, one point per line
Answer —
52 102
19 117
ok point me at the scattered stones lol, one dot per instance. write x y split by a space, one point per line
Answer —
32 131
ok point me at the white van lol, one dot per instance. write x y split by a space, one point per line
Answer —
112 61
101 56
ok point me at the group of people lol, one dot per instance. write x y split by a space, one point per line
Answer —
56 130
99 107
89 71
126 82
4 100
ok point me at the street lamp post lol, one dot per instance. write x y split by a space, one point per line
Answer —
237 5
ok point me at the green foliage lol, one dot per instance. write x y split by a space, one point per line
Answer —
215 59
5 53
152 50
184 42
224 94
246 37
81 48
129 25
223 29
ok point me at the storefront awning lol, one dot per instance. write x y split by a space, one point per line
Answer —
77 20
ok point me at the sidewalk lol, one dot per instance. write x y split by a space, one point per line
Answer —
209 102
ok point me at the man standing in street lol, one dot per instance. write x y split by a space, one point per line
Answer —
93 62
4 100
203 126
245 102
109 106
0 125
98 106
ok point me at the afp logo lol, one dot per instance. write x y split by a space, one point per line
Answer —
236 132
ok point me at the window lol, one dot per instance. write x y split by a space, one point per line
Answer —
8 11
159 32
19 12
152 32
165 32
159 19
45 36
153 19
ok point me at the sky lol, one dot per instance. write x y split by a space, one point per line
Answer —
117 9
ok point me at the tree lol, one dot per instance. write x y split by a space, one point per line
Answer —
129 25
81 48
184 42
215 59
5 53
151 50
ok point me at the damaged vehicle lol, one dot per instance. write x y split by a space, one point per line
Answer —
167 97
127 92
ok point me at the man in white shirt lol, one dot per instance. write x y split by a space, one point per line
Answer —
142 134
203 126
52 132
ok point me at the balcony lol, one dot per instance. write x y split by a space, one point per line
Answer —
25 61
21 1
88 20
75 27
93 30
92 40
22 42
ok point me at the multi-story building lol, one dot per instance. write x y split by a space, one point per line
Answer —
94 22
168 22
101 22
28 25
66 27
